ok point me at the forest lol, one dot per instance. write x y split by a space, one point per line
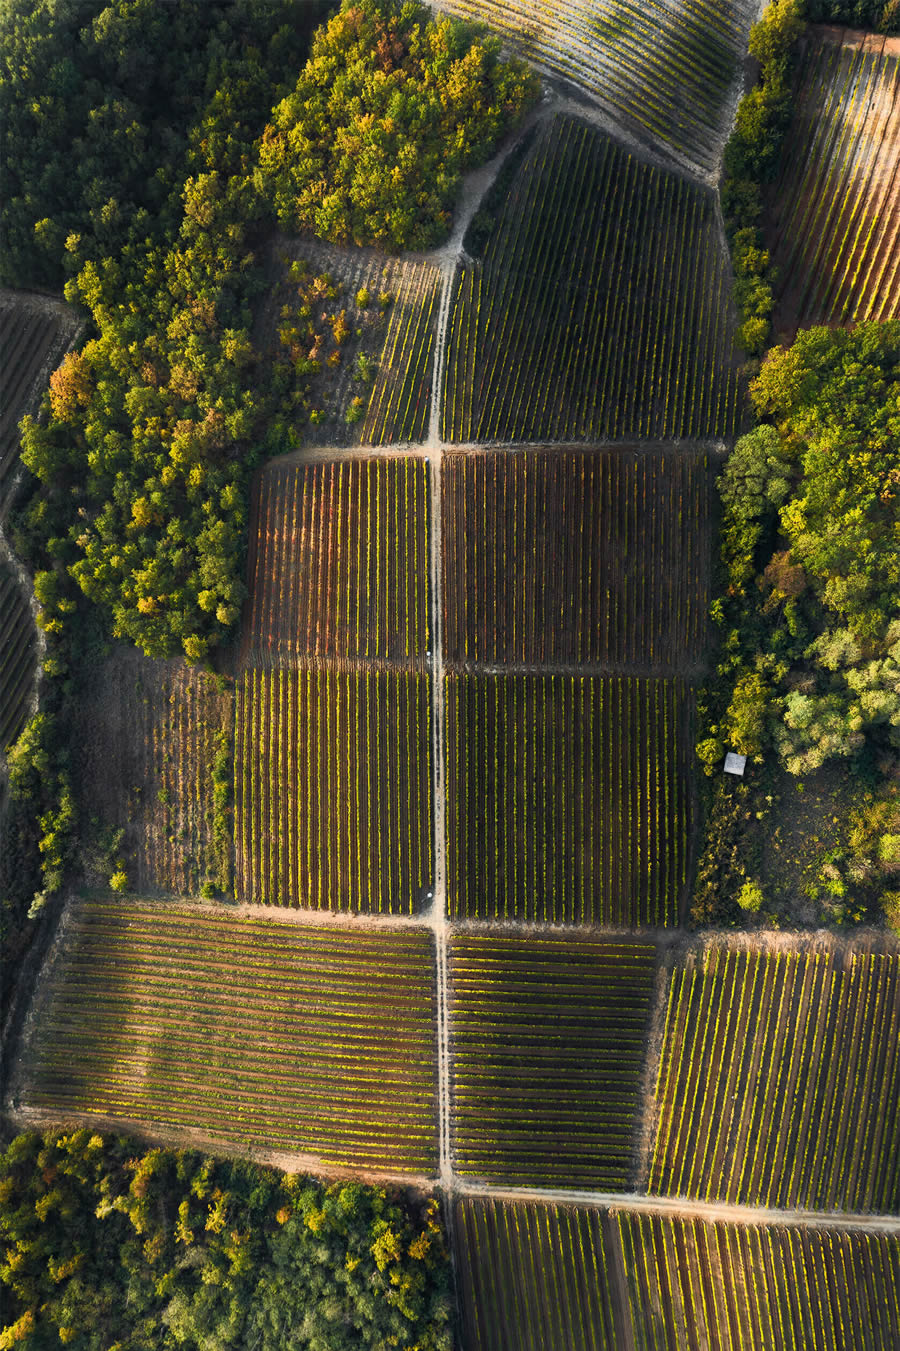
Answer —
108 1244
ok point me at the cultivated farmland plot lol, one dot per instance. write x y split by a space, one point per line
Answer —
333 805
395 336
600 310
35 334
779 1082
573 557
318 1041
18 644
835 212
567 1278
547 1041
663 70
568 798
338 563
148 738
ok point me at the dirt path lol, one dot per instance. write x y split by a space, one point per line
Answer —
681 1208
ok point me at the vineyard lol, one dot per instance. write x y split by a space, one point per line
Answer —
576 557
338 563
359 329
547 1041
581 1279
18 645
318 1041
664 72
835 212
151 744
333 805
568 798
601 308
779 1082
35 333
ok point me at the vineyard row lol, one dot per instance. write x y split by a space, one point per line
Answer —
333 795
338 563
601 309
562 1278
779 1082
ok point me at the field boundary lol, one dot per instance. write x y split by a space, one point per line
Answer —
26 1118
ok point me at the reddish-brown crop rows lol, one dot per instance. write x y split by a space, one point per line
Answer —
569 557
835 213
338 563
333 789
287 1037
779 1081
568 798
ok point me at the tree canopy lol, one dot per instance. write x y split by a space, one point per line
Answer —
811 552
108 1245
387 113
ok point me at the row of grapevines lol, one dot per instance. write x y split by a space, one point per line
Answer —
568 798
779 1081
17 657
333 806
562 557
663 71
568 1278
319 1041
400 401
338 563
601 307
547 1042
835 216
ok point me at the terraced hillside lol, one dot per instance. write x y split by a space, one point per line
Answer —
664 71
600 309
835 211
314 1041
586 1279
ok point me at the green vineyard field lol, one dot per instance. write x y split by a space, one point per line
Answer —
664 72
400 403
567 798
547 1042
562 1278
569 557
313 1040
779 1082
18 657
333 797
338 563
601 308
835 213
